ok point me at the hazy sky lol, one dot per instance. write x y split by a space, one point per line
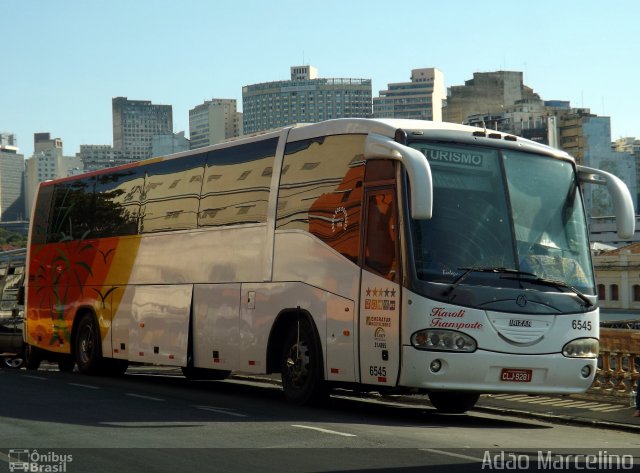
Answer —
64 60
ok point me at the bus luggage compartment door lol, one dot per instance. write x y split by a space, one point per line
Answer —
159 329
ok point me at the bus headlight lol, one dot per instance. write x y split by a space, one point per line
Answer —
443 340
582 348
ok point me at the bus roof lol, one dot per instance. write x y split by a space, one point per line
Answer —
440 131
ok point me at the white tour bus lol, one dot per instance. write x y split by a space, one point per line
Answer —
375 254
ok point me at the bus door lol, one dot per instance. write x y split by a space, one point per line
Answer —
379 323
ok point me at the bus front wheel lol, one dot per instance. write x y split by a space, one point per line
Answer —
453 402
301 366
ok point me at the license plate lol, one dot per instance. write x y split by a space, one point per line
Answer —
516 375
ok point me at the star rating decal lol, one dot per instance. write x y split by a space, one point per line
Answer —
372 302
380 292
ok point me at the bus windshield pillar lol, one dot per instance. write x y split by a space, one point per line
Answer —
417 166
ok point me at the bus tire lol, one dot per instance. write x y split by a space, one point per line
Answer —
87 345
32 357
453 402
301 366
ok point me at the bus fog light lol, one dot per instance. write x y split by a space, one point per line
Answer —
581 348
443 340
585 371
435 366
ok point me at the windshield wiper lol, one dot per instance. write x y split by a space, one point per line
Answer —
516 274
553 283
482 269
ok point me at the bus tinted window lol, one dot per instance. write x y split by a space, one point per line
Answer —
171 194
73 210
41 215
117 202
236 184
321 190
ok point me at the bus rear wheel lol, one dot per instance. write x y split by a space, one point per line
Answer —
453 402
87 345
32 357
301 366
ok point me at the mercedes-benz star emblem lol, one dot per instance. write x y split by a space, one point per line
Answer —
521 300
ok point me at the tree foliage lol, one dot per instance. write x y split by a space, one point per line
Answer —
11 240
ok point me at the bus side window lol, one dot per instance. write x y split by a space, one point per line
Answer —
380 250
236 184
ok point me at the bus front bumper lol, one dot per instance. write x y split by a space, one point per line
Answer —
490 372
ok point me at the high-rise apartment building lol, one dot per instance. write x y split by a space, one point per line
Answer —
47 162
628 145
304 98
588 138
214 121
43 141
164 144
486 92
135 122
12 205
422 98
95 157
8 140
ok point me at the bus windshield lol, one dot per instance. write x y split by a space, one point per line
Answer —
502 210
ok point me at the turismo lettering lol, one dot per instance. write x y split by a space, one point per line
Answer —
456 157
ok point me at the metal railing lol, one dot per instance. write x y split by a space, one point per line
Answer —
618 362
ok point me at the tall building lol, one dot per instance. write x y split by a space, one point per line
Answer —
47 162
304 98
8 139
422 98
593 150
95 157
12 205
43 141
530 118
486 92
214 121
135 122
627 145
164 144
632 146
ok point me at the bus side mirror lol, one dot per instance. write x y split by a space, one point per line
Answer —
417 167
620 195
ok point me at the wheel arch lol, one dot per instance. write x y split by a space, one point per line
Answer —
80 313
284 320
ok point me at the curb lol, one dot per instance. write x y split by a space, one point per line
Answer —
554 418
560 418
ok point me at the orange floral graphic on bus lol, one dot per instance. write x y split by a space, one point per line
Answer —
61 276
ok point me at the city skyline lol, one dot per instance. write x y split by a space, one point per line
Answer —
68 60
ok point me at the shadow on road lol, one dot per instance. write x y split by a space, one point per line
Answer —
171 401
